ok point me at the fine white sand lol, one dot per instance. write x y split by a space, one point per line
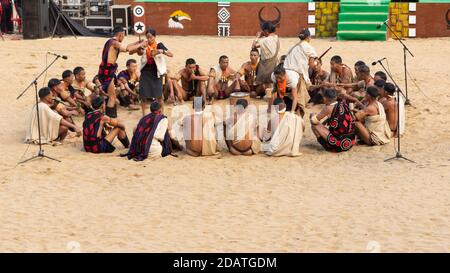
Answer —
316 202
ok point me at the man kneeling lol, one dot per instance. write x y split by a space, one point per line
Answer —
287 135
151 137
337 133
240 131
95 137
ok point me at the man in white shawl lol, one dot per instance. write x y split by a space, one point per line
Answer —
241 131
372 126
299 59
199 131
53 126
389 101
287 135
268 43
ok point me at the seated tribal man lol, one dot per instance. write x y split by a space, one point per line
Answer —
151 138
337 132
285 87
372 126
96 139
358 89
65 90
80 87
193 82
389 102
241 131
317 76
68 79
283 137
128 85
249 71
380 75
61 107
222 80
108 67
357 65
340 73
81 83
199 131
53 127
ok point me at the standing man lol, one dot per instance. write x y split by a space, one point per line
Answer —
108 67
268 43
6 22
300 58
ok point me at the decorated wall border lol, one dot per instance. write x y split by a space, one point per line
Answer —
223 19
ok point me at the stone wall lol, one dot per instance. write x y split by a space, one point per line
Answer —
327 14
399 17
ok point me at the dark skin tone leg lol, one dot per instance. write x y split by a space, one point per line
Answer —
363 133
63 130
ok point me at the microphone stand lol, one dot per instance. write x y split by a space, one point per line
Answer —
34 82
398 154
405 49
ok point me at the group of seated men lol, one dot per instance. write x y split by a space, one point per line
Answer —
353 106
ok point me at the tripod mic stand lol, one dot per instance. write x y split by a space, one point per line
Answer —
398 154
34 82
405 49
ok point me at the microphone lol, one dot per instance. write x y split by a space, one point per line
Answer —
381 24
57 55
378 61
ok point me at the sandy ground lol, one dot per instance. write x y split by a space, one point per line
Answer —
319 202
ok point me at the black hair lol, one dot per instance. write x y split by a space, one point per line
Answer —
97 102
268 26
329 93
223 57
277 101
43 92
77 70
279 70
67 74
336 59
359 63
364 69
155 106
242 102
53 82
190 61
151 31
372 91
304 34
381 74
131 61
254 50
390 88
117 29
380 83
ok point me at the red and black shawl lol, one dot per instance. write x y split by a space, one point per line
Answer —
107 71
143 137
342 129
91 124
